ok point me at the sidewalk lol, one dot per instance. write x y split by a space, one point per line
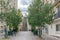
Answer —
1 35
48 37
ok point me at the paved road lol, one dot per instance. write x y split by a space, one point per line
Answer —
25 36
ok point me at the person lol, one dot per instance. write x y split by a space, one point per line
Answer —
1 29
40 32
14 31
6 33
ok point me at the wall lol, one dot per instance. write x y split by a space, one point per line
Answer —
52 29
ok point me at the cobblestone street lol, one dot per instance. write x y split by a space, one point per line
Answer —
25 36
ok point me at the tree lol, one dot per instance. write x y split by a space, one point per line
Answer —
4 7
9 15
19 12
40 13
13 19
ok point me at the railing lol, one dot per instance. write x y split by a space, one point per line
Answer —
57 16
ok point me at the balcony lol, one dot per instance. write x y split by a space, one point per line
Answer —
57 16
56 2
57 12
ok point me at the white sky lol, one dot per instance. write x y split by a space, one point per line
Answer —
23 6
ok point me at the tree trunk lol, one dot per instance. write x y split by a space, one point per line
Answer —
40 31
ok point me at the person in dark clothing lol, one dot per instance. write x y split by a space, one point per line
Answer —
14 31
6 32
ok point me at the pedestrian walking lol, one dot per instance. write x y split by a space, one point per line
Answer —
6 32
14 31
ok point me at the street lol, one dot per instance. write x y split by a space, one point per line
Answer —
19 17
25 36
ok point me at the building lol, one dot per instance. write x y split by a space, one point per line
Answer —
24 21
54 28
48 1
6 6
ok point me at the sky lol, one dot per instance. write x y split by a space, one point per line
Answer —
23 6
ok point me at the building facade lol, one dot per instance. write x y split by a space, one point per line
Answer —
54 28
6 6
24 21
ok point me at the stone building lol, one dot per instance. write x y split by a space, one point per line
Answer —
6 6
54 28
24 22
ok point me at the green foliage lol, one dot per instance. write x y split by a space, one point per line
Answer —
13 19
10 15
40 13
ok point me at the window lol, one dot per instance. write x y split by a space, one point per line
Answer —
58 11
58 27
